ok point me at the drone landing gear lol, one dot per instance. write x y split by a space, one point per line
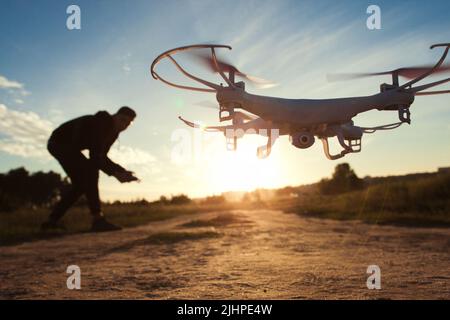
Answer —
231 143
264 151
225 113
326 149
349 145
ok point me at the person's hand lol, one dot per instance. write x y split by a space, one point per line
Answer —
125 176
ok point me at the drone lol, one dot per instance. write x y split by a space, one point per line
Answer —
303 120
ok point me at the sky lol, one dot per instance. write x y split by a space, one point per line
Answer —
50 74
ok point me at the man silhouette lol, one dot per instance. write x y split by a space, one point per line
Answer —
95 133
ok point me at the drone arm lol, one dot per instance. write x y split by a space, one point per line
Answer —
432 70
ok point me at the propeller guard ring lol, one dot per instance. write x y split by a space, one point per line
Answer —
168 54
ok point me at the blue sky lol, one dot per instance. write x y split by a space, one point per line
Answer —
49 74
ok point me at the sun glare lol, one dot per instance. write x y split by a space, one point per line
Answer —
241 170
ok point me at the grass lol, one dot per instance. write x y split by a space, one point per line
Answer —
421 202
24 224
413 202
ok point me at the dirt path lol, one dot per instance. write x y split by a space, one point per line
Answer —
236 255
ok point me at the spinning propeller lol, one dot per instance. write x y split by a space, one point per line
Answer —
413 74
206 59
408 73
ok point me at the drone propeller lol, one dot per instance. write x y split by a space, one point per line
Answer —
208 61
408 73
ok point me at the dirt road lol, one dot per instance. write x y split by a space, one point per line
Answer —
234 255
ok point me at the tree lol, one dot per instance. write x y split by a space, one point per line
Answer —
163 200
19 188
213 200
180 199
344 179
44 187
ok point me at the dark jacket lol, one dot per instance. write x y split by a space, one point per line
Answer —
95 133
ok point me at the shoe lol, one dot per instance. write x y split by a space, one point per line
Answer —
50 225
102 225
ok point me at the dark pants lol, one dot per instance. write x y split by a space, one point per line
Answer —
83 176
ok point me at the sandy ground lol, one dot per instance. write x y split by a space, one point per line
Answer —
234 255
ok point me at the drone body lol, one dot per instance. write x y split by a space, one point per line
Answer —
303 119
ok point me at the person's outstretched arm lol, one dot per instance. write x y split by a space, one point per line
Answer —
101 146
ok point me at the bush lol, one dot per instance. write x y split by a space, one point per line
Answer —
180 199
344 180
214 200
427 196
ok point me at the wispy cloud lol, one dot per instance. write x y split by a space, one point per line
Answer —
125 63
23 133
9 84
131 156
135 159
15 88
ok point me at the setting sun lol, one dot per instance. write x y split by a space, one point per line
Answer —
241 170
227 170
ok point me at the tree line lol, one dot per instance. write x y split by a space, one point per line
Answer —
19 188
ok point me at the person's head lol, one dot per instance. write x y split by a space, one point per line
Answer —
123 118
